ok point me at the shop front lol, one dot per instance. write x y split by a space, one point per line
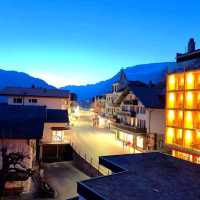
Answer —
133 141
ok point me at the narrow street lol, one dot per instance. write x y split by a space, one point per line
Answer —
94 142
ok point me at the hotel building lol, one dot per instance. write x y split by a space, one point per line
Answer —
135 112
182 135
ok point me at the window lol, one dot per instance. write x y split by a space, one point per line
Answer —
142 110
17 100
140 141
32 100
58 136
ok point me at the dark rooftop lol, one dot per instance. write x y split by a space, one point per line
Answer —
150 97
34 92
27 122
181 57
58 116
21 122
146 176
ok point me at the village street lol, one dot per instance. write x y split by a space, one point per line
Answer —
94 142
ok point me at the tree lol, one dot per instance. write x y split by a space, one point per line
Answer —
13 168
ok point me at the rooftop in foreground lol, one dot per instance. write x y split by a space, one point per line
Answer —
144 176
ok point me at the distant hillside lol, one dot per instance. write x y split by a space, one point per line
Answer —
20 79
154 72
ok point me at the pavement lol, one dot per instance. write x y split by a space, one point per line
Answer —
63 177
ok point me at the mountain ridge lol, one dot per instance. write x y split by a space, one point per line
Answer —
154 72
20 79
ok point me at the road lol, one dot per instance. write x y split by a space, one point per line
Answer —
94 142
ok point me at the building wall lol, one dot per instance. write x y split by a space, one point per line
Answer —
48 133
157 121
51 103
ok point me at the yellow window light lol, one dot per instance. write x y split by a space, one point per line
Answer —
180 100
189 99
171 100
179 134
198 80
180 115
180 118
171 117
171 82
198 97
188 119
198 134
190 81
198 100
188 137
181 97
169 135
182 82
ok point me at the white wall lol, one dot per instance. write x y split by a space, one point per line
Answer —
51 103
157 123
47 133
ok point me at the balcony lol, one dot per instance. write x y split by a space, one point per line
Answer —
129 113
130 128
131 102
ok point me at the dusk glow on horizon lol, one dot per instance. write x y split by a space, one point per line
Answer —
79 42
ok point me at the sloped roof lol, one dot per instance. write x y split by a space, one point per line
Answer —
57 116
21 122
34 92
149 96
131 84
27 122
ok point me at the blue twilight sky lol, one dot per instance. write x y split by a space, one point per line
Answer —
85 41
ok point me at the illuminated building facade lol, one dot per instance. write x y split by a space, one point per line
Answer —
182 133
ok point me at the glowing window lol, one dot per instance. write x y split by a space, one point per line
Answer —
169 135
179 134
171 82
198 100
140 141
189 100
188 121
170 117
180 100
171 100
58 136
180 118
188 138
198 134
121 136
129 138
181 82
198 80
190 81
